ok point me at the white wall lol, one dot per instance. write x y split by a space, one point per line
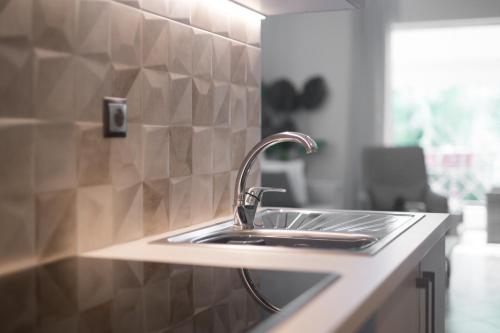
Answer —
348 48
297 47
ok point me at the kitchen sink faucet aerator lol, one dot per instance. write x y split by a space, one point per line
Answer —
246 200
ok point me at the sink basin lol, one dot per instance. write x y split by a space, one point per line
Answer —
291 238
355 231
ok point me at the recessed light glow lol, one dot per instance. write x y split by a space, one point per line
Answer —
235 9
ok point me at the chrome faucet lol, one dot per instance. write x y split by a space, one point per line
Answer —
246 200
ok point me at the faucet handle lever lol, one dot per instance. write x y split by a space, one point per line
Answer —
255 193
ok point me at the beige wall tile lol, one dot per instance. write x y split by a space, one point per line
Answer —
254 106
221 59
126 160
55 156
94 213
159 7
222 94
54 81
156 152
156 97
56 223
222 194
126 56
253 67
155 39
221 150
202 150
93 24
181 100
180 10
180 159
238 63
65 188
93 155
17 210
238 106
16 19
16 66
202 54
203 102
238 143
93 80
201 198
180 57
128 213
180 209
156 206
54 24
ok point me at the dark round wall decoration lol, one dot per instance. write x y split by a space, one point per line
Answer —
282 96
314 93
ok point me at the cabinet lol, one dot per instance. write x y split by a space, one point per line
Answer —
417 305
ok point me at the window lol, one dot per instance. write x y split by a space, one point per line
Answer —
445 97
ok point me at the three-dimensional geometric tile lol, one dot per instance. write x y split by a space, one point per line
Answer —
222 197
127 159
238 106
238 145
180 157
54 24
221 97
93 155
181 99
221 59
92 35
55 156
202 55
54 81
180 10
238 63
180 57
203 103
56 223
155 97
201 198
156 152
126 35
127 211
253 106
93 81
156 206
94 212
202 150
221 150
16 66
180 203
155 42
159 7
253 67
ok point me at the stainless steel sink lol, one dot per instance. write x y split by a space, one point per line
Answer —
355 231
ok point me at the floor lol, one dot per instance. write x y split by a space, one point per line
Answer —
474 292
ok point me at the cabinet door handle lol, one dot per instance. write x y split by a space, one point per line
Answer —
427 282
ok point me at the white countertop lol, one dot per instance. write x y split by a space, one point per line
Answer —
365 281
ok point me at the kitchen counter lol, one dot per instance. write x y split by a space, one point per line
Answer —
365 281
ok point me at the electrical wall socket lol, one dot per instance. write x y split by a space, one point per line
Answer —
115 117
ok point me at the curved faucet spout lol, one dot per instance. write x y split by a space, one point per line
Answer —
245 204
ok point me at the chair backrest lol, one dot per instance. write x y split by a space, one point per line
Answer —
394 173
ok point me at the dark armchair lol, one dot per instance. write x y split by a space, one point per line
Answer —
395 178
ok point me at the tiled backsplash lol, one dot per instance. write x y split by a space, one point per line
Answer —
191 74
